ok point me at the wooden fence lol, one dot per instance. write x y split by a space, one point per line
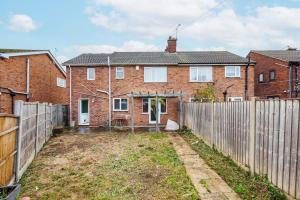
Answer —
262 135
8 133
23 135
36 121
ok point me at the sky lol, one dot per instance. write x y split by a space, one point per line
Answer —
71 27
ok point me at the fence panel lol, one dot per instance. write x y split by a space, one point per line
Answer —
8 139
36 121
273 149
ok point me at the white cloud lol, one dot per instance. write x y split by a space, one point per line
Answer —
127 46
212 22
22 23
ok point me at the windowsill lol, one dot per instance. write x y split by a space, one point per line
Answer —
120 110
232 77
201 81
155 82
145 113
91 79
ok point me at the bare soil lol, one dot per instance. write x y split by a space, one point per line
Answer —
107 165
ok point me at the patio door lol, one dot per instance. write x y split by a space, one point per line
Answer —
152 113
84 116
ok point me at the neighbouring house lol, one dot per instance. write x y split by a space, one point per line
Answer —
276 73
127 83
30 75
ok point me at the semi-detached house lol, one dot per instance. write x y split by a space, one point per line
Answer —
98 82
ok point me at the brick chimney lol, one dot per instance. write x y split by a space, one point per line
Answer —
171 47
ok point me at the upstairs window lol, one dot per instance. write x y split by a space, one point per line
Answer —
61 82
91 75
155 74
272 75
201 74
120 73
232 71
120 104
261 78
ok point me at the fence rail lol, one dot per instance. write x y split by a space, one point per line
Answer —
262 135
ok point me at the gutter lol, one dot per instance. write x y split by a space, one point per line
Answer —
70 98
109 92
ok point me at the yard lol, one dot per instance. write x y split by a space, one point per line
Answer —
104 165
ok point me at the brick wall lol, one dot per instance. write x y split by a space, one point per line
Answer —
43 74
178 80
265 64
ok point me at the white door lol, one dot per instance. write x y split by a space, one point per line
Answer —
84 116
152 111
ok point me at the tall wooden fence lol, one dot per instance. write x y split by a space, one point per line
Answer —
262 135
8 133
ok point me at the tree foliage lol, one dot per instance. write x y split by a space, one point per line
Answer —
206 94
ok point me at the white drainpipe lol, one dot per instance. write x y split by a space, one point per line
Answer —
27 77
109 92
70 98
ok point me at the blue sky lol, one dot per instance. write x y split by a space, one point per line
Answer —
69 28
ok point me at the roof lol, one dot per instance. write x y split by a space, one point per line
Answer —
17 50
286 55
7 53
155 58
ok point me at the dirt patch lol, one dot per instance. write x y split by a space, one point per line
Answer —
107 165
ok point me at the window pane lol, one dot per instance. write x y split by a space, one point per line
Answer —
230 71
145 105
272 75
163 105
119 72
155 74
193 74
117 104
124 104
91 73
204 74
84 106
261 78
147 74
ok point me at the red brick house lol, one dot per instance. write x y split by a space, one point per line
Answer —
98 82
276 73
30 76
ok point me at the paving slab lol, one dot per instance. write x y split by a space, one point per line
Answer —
206 181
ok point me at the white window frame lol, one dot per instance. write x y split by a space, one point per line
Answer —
233 99
60 82
201 67
236 69
120 70
155 68
88 73
120 110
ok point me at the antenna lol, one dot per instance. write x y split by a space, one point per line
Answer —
177 27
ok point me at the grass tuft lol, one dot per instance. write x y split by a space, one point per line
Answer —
247 186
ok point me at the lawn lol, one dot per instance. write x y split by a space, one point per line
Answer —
108 166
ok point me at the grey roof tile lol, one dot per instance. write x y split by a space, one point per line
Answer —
287 55
128 58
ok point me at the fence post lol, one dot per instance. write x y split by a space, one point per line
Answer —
252 134
18 111
37 128
212 124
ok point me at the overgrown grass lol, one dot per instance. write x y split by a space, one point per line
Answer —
247 186
146 167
